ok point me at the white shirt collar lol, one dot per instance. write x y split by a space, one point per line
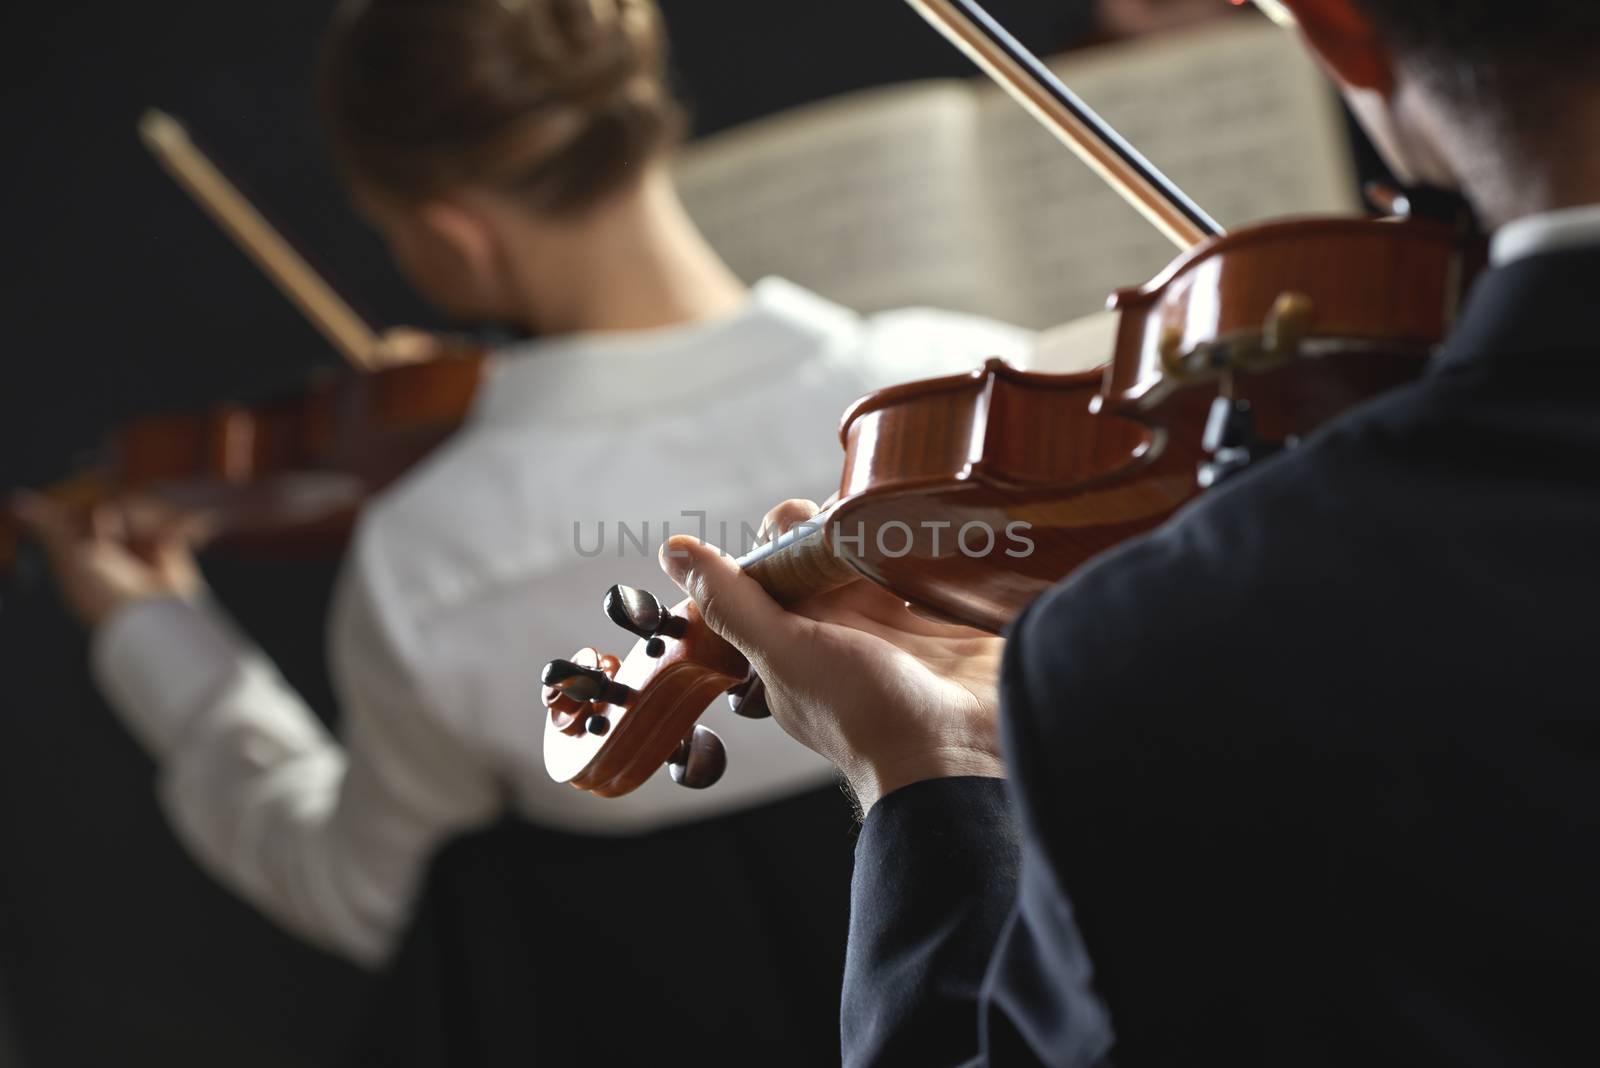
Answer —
601 374
1550 231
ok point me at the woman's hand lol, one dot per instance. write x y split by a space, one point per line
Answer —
401 346
889 697
97 565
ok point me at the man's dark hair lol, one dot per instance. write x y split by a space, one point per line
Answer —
1516 45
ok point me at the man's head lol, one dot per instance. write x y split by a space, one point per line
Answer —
1485 94
1522 44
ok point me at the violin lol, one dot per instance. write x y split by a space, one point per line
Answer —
970 495
291 473
287 475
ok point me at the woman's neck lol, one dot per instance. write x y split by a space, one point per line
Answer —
635 263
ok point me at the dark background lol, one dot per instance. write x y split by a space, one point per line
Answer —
120 298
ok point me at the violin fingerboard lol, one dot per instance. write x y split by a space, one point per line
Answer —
795 567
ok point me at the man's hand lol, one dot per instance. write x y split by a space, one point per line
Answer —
889 697
97 566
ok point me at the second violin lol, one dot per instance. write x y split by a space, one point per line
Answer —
292 472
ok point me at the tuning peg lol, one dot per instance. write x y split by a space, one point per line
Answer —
749 698
700 760
641 613
585 684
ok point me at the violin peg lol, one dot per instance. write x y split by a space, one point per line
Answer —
1287 324
749 699
586 684
641 613
700 760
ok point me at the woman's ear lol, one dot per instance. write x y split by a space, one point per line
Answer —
461 237
1347 42
449 250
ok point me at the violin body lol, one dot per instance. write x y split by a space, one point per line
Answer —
1043 472
289 474
970 495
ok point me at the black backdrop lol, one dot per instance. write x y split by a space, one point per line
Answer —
120 298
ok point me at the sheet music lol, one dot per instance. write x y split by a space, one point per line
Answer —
946 193
1237 115
865 199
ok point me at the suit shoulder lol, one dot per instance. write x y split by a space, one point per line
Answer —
1264 565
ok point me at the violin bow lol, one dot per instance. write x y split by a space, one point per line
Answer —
347 331
1020 73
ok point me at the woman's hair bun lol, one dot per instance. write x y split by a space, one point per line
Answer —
591 52
558 100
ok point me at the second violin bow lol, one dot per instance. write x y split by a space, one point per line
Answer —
348 332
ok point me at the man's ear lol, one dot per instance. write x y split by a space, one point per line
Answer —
1349 45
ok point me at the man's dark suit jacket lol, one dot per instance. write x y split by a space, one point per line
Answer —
1314 770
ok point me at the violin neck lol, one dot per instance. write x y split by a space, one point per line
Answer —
800 564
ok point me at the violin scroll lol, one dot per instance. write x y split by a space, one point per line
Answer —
613 722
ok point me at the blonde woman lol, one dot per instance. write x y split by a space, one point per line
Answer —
514 155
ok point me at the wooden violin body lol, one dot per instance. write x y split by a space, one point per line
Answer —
1299 320
970 495
289 473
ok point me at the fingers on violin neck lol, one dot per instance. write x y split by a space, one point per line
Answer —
785 516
